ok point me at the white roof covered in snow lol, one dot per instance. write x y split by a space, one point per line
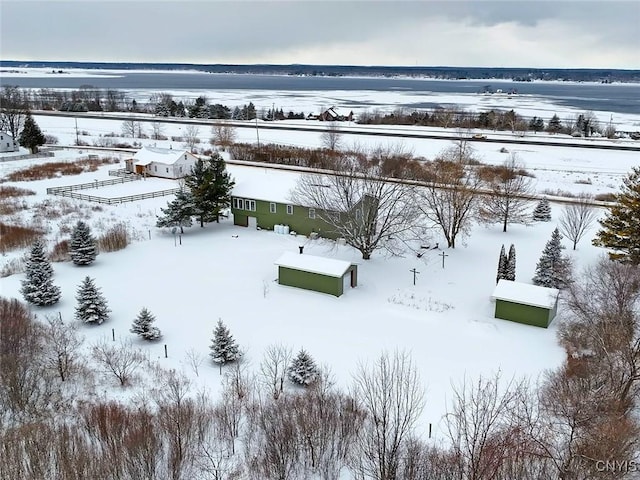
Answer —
267 184
313 264
166 156
526 294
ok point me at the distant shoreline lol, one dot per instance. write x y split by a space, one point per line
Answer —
515 74
42 72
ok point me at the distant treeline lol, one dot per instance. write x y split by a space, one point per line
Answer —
449 73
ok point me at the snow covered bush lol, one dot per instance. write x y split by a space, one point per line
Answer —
143 326
224 348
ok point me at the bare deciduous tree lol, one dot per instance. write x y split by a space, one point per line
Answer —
577 218
120 360
370 212
483 428
157 131
331 138
391 395
61 346
273 369
450 197
223 135
13 110
191 137
132 128
510 193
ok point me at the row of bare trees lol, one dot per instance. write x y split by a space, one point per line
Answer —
385 199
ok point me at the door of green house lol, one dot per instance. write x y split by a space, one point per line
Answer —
252 222
346 282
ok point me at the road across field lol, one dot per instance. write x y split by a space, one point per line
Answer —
367 131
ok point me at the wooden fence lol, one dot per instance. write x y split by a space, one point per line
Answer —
70 191
116 200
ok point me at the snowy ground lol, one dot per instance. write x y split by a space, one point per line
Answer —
227 272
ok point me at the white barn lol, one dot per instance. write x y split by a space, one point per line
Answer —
7 143
161 162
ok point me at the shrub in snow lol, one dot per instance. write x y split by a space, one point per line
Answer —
92 306
542 212
553 268
82 248
38 288
143 326
224 348
303 370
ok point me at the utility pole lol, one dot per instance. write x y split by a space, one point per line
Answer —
257 134
77 140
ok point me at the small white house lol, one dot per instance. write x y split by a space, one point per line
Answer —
161 162
7 143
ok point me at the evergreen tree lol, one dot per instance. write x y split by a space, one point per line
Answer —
178 212
210 187
303 370
82 247
621 226
542 212
554 125
143 325
553 268
31 136
510 269
502 265
92 306
38 288
224 348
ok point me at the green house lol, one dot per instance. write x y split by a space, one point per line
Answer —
260 199
319 274
524 303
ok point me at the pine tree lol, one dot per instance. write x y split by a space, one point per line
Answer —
31 136
178 212
82 247
621 226
92 306
224 348
553 268
210 188
502 265
38 288
542 212
143 325
554 125
303 370
510 268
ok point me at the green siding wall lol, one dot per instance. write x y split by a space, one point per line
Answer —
299 222
536 316
310 281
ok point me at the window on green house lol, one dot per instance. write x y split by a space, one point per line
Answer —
272 207
250 205
289 209
238 203
312 213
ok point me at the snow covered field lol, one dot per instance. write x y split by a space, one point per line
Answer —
223 271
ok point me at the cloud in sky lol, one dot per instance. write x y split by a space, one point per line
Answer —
569 34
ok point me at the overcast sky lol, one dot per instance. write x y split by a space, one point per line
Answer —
541 33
